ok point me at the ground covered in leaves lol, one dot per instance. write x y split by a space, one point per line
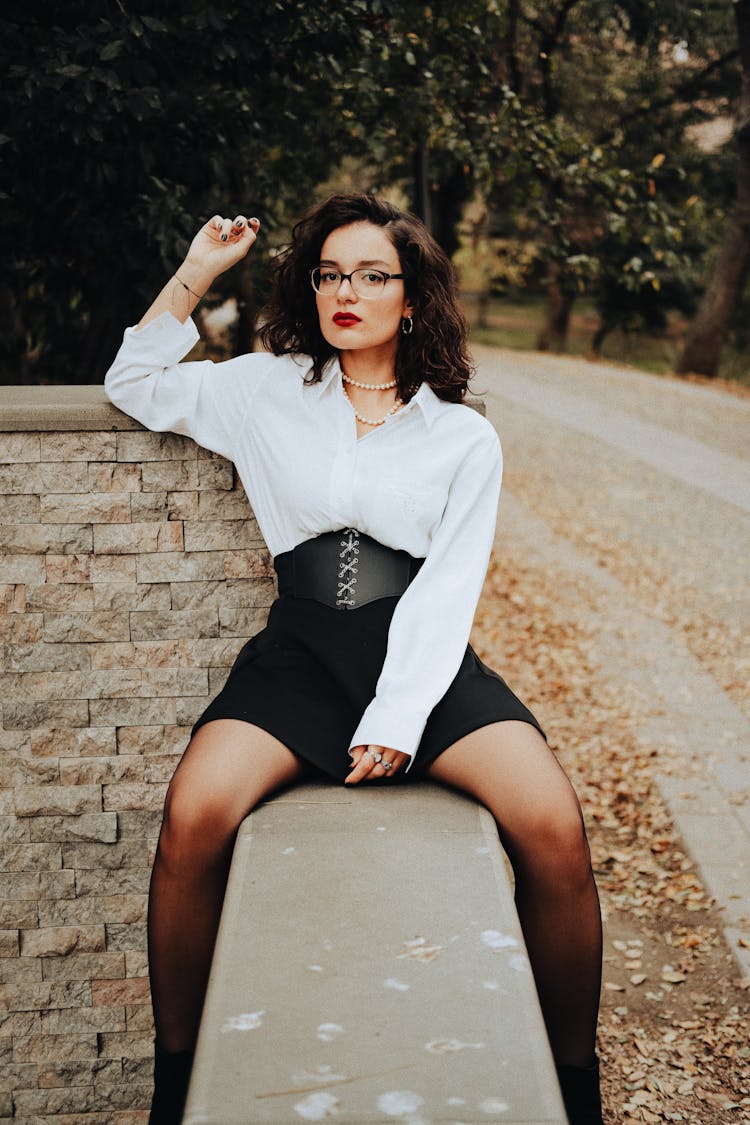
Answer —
673 1035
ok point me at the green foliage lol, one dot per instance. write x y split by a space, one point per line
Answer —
128 129
600 169
647 259
125 128
570 120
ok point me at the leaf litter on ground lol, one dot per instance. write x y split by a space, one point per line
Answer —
674 1029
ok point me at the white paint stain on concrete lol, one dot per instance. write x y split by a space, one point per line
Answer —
324 1074
520 963
419 949
327 1032
317 1106
396 985
493 939
245 1021
456 1101
494 1105
315 968
491 985
288 851
380 828
481 851
400 1103
448 1046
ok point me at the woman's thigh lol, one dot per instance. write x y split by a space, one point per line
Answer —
510 769
228 768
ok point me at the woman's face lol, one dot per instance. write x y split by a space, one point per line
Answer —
347 320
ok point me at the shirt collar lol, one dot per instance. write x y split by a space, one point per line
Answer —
428 402
425 399
331 374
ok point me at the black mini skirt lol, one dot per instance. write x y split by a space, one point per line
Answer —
308 676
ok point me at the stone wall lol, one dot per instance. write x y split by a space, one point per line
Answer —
131 571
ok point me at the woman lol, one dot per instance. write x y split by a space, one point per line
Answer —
376 490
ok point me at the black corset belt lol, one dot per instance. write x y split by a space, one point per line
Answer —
344 569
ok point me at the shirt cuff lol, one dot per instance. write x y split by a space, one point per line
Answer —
163 338
399 730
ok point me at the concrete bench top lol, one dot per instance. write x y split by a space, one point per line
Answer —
351 983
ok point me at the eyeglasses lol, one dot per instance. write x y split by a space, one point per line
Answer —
364 282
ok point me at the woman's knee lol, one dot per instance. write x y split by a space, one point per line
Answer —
510 769
199 821
552 841
194 829
228 768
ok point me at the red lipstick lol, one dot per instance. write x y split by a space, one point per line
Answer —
346 319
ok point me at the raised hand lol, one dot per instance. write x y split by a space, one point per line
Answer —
218 245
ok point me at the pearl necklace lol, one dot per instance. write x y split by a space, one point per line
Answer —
373 421
368 386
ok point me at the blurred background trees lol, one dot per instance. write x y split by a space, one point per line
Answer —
577 150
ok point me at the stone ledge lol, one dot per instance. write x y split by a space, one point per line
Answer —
81 408
61 407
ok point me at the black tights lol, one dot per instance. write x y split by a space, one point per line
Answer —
561 922
184 908
228 768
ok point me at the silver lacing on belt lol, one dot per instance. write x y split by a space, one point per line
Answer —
349 555
344 569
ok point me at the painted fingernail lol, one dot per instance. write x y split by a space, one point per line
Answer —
239 223
223 238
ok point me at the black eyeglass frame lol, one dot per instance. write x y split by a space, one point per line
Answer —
348 276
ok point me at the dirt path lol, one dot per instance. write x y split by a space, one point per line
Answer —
617 605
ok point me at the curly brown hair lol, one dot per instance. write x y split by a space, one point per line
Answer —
435 352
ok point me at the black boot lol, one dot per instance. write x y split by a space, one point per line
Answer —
171 1078
581 1096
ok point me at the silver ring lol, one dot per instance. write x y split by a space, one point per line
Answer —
376 757
387 765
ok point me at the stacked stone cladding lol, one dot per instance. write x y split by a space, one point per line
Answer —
132 570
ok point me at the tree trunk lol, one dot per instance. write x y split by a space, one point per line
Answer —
447 201
708 331
597 343
440 204
422 201
99 347
244 291
14 358
554 332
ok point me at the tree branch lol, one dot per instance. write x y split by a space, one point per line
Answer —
685 90
549 41
514 71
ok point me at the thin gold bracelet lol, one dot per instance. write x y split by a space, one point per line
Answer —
197 296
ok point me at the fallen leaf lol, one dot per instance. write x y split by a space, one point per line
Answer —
671 976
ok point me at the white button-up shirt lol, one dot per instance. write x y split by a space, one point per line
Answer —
427 481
